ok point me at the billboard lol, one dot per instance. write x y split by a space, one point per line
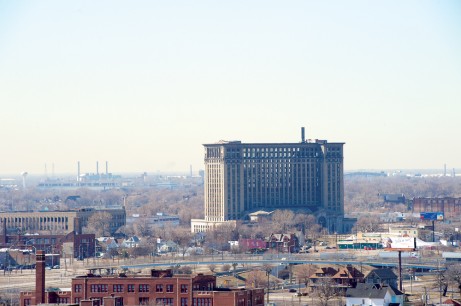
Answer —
399 243
432 216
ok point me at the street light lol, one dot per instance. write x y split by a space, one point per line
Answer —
268 273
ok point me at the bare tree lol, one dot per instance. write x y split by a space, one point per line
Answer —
182 237
225 267
453 275
256 279
367 224
99 224
303 273
212 267
441 282
325 290
282 220
142 228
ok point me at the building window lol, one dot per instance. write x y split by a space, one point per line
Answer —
183 288
78 288
164 301
169 288
143 288
117 288
184 302
143 301
99 288
130 288
159 288
202 302
77 300
27 302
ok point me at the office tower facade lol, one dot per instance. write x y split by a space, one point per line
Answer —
245 177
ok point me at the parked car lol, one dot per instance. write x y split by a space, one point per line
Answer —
56 267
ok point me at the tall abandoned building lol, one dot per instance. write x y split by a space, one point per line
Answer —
241 178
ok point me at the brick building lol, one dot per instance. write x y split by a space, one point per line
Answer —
451 207
283 243
71 245
57 221
161 287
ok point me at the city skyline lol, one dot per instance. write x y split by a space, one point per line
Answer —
144 85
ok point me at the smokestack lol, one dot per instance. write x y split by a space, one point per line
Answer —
78 171
303 136
97 167
40 277
190 170
107 168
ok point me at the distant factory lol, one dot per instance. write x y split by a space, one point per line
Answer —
95 180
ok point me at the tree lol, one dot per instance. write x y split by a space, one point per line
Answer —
453 275
212 267
256 279
441 282
325 290
99 224
226 267
282 220
303 273
142 228
182 238
367 224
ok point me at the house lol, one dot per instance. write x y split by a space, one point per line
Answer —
283 243
381 276
108 244
375 295
167 247
342 277
131 242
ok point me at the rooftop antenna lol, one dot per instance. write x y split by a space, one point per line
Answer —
24 174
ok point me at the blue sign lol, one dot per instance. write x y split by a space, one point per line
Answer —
432 216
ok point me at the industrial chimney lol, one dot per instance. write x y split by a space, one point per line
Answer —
303 136
40 277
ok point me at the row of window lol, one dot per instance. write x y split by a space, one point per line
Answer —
169 288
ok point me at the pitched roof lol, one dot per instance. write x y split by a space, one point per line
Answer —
372 291
324 272
383 273
348 272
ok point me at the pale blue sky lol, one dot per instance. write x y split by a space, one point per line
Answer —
143 84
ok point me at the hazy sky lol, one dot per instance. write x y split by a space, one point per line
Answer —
143 84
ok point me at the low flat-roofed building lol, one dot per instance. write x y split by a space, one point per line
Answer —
57 221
